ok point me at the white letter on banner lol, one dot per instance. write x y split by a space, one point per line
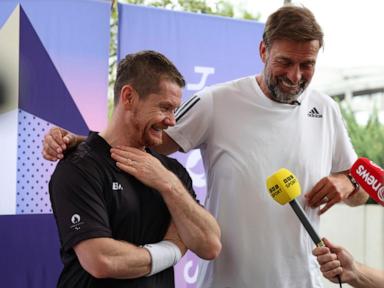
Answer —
194 159
205 71
187 278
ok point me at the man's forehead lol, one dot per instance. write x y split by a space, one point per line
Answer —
306 51
287 44
167 96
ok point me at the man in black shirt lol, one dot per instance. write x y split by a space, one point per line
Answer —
121 229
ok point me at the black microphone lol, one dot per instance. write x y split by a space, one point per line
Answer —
295 102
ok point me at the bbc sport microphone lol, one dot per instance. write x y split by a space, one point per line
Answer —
284 187
371 177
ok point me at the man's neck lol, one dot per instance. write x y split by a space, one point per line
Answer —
263 86
117 135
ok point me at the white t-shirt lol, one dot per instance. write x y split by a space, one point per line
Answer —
244 137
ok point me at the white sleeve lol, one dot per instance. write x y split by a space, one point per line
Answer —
344 154
193 122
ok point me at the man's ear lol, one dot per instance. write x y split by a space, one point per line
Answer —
128 96
263 51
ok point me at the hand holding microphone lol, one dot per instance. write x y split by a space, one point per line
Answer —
284 187
370 177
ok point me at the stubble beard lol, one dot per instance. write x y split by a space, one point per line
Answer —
275 93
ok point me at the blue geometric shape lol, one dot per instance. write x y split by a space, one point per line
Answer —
30 251
42 91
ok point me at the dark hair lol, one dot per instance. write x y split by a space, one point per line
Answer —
144 70
292 23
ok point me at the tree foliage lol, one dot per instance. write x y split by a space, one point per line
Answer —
219 7
368 139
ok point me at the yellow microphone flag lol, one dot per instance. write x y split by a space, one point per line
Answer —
283 186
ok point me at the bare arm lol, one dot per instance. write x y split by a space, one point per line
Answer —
368 277
109 258
335 260
57 140
334 189
168 146
197 227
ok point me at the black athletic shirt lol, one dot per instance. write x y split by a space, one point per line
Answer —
93 198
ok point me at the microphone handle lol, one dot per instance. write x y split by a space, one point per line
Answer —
305 221
307 225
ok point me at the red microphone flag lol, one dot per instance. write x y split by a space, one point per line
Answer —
370 177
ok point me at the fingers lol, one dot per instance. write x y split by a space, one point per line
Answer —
331 274
318 251
123 153
318 192
126 168
56 137
56 142
330 266
122 157
327 258
53 145
129 152
69 140
50 154
334 248
326 192
125 164
329 204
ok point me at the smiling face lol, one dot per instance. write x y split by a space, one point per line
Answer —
154 113
289 68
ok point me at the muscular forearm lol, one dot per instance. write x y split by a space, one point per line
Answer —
109 258
197 228
368 277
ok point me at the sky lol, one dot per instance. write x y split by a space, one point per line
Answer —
352 29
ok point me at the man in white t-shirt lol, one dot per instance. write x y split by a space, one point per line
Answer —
247 129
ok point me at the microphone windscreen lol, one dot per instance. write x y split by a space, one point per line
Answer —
370 177
283 186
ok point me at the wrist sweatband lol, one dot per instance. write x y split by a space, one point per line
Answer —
164 254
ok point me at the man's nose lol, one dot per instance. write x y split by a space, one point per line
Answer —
294 74
170 120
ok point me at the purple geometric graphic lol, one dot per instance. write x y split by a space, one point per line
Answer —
61 53
41 85
33 172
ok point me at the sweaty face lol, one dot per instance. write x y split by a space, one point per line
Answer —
289 68
155 113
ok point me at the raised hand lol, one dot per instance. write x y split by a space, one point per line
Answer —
56 141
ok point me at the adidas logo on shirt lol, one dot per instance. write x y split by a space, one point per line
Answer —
314 113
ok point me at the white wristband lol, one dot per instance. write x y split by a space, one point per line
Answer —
164 254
